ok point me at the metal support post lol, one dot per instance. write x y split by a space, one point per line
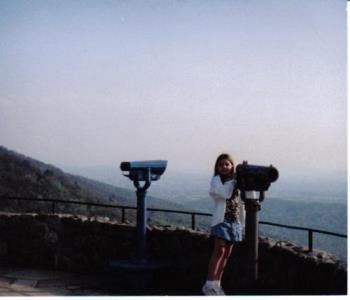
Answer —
141 223
141 216
252 206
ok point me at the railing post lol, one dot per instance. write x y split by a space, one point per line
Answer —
53 207
310 241
193 221
123 215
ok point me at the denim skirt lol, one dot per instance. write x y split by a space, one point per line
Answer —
230 231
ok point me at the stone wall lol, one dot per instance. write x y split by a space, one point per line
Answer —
81 244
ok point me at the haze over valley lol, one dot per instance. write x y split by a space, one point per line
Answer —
187 187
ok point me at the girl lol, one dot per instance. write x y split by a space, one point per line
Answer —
226 222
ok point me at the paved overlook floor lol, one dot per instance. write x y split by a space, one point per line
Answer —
33 282
29 282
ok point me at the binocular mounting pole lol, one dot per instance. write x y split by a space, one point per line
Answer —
252 206
141 219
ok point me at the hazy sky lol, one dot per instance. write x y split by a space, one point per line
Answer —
86 83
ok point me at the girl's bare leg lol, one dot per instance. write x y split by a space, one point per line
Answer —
215 264
228 250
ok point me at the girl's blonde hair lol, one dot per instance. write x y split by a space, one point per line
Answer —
230 159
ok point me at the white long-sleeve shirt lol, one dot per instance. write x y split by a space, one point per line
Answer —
220 192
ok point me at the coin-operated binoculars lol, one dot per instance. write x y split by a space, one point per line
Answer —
253 181
146 171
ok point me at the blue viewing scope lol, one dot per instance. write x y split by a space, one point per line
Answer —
144 170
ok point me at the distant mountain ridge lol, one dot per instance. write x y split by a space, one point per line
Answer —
23 176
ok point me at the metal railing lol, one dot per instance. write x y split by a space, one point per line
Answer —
309 230
192 213
122 207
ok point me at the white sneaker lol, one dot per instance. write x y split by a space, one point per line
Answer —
221 291
212 290
209 290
